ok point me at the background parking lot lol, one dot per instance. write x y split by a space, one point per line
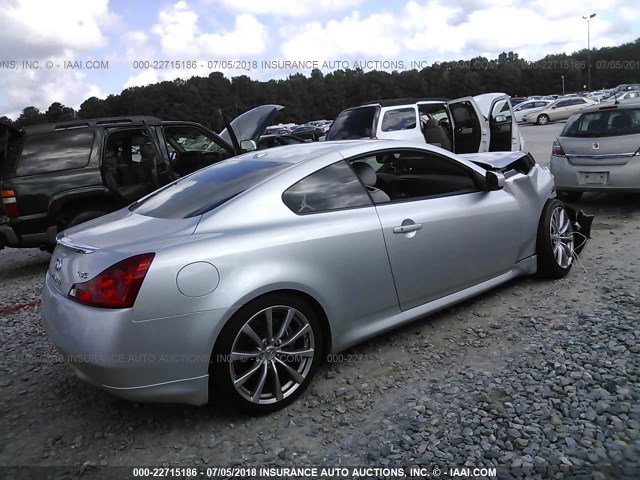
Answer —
535 372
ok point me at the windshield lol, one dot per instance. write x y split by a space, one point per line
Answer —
604 123
206 189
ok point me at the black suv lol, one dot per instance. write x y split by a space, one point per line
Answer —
56 176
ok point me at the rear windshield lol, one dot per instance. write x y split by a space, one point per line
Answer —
352 124
604 123
54 151
206 189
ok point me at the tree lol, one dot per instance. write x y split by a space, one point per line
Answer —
58 112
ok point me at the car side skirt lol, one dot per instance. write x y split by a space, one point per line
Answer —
526 266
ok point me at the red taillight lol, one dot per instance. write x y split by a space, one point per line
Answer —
10 203
115 287
556 149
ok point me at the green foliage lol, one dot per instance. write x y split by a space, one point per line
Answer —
324 95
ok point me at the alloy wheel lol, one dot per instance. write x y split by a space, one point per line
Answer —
272 355
561 237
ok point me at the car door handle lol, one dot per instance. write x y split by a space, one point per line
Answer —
407 228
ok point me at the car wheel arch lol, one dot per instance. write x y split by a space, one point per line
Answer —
315 304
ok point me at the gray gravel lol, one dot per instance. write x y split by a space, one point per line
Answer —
537 377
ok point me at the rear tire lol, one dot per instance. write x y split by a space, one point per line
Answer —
267 354
569 196
554 243
543 119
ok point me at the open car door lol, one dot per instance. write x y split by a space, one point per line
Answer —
503 126
470 128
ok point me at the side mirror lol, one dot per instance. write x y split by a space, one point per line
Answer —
248 145
501 118
494 181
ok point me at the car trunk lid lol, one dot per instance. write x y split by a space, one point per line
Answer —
614 150
88 249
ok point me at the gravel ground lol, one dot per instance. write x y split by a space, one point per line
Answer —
537 377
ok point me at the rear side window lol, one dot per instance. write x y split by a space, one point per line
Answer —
55 151
206 189
399 119
332 188
604 123
353 123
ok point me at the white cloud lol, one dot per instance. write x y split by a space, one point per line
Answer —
32 29
182 38
374 36
288 8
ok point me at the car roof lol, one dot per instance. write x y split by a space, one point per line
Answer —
393 102
93 122
624 105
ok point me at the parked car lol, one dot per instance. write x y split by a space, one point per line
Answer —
517 100
560 109
239 279
624 95
56 176
464 125
527 107
270 141
598 151
308 132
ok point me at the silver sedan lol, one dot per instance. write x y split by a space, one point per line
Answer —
238 279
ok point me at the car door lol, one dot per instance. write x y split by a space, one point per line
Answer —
470 129
443 232
501 125
399 123
561 111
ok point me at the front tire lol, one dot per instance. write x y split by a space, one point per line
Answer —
555 243
543 119
267 354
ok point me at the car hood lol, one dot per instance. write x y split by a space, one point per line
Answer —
485 100
250 125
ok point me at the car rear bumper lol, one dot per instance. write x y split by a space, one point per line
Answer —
9 237
594 178
146 361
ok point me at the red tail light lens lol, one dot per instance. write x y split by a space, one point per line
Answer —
115 287
556 149
10 203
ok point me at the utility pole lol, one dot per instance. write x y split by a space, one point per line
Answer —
588 19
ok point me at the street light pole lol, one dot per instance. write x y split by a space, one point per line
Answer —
562 76
588 19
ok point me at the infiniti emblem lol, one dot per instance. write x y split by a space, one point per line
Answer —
58 265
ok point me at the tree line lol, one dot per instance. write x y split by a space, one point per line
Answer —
323 96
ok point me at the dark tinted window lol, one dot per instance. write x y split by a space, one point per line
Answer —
399 119
50 152
563 103
353 123
331 188
409 174
604 123
207 189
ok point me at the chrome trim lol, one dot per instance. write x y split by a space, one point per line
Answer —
601 155
79 247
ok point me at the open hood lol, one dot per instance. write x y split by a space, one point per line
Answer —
8 136
251 124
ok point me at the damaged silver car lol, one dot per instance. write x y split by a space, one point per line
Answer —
237 280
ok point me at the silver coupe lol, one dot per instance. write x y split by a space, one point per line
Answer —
237 280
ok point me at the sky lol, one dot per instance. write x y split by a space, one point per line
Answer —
69 50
